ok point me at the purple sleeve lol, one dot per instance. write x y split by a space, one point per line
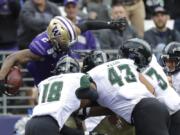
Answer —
91 42
40 44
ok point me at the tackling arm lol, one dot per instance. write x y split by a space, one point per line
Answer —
87 89
147 84
87 93
119 24
170 80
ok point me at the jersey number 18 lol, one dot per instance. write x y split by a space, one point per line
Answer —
52 91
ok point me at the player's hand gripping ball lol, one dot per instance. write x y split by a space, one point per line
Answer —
14 80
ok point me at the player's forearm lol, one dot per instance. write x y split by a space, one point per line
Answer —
94 25
6 66
16 58
119 24
170 80
148 85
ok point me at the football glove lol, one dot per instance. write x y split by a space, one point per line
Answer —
4 87
119 24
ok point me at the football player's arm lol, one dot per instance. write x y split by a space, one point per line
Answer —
89 93
87 89
19 57
170 80
119 24
147 84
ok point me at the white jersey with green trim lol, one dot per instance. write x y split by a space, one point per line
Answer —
176 82
119 87
163 91
57 96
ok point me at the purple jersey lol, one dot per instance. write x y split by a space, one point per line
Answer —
86 41
40 70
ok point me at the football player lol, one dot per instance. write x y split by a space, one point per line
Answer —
171 61
45 49
58 100
121 88
104 124
162 90
92 59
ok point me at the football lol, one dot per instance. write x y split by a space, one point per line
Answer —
14 79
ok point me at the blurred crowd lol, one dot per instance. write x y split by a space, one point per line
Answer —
22 20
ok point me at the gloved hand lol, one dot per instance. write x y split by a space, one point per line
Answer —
4 87
119 24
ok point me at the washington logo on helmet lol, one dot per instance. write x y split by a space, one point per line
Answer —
55 31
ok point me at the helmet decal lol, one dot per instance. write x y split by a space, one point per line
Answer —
56 32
